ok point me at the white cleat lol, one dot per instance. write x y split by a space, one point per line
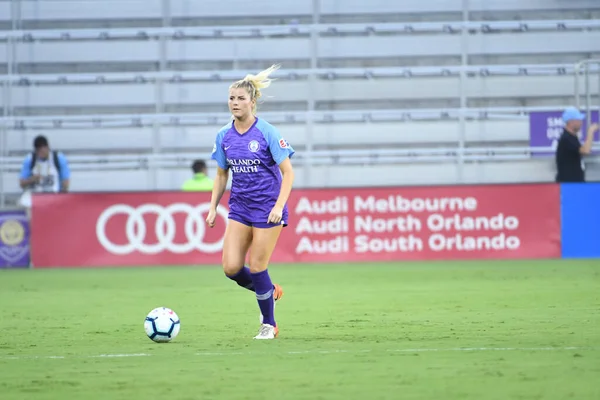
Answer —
267 332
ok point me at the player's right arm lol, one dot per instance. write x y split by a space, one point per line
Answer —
221 178
219 185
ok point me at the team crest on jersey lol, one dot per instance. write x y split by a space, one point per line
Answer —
283 143
253 146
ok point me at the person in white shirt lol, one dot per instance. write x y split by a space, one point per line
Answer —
44 171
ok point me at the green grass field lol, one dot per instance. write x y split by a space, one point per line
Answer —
449 330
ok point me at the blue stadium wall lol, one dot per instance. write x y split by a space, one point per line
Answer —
580 220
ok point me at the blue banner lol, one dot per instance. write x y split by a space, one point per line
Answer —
580 214
14 239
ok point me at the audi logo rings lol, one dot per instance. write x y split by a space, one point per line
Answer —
135 229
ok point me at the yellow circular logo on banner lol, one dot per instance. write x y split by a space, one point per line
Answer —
12 233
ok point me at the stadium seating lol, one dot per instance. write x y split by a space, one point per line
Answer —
374 93
110 13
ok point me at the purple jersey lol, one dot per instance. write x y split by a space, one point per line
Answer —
253 158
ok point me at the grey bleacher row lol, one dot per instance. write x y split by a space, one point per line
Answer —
300 30
441 173
119 120
431 140
201 138
299 48
341 93
354 93
302 73
132 10
409 153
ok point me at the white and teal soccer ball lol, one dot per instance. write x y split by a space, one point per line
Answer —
162 325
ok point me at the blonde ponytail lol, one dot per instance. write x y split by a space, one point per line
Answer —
254 83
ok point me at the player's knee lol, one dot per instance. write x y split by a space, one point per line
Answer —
258 263
231 268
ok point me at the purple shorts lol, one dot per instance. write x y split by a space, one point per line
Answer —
263 224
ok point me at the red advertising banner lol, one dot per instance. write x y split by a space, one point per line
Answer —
327 225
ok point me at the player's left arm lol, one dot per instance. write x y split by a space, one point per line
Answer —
287 174
65 173
282 151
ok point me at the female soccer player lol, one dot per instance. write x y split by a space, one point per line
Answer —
259 159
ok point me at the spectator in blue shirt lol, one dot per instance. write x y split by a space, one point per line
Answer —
45 170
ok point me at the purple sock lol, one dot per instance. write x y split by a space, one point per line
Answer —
264 294
243 278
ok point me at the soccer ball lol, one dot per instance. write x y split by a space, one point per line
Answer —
162 325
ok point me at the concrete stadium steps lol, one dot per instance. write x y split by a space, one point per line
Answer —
137 13
334 94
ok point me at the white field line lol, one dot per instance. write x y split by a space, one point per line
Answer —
234 353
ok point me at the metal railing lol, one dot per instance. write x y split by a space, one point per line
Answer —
371 156
259 31
49 122
587 67
293 74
